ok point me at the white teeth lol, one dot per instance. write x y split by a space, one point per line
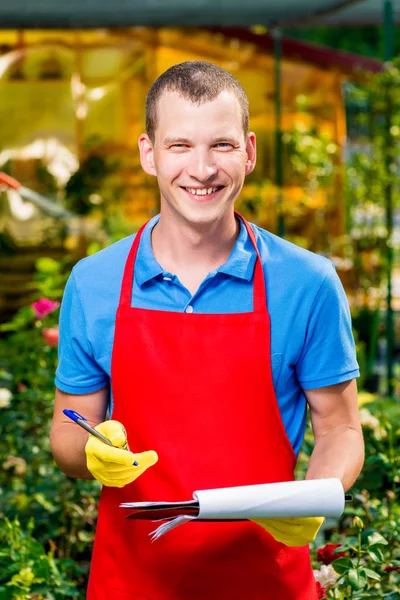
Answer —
202 191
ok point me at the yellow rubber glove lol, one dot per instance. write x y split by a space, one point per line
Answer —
292 531
114 467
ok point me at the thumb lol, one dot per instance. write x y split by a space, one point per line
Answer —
146 459
115 432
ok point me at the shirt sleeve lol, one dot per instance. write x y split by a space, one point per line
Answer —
77 371
328 355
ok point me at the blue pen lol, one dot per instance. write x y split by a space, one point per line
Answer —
80 420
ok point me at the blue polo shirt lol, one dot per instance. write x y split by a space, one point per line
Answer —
311 339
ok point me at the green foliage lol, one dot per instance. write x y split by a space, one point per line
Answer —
368 531
84 188
27 570
311 151
359 40
51 276
372 178
55 515
7 243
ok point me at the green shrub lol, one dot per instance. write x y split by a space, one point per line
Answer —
27 570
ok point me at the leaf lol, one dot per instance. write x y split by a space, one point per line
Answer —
357 579
342 565
343 548
371 574
85 536
41 499
4 593
47 265
376 554
376 539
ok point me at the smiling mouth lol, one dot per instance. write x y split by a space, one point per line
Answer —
203 191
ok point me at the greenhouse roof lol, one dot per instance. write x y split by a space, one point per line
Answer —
28 14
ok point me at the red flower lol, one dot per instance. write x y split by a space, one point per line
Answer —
50 335
320 590
391 568
43 307
325 554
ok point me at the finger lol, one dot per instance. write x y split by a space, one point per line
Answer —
107 454
116 471
146 459
115 432
121 479
281 526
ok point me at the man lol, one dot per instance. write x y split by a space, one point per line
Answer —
212 336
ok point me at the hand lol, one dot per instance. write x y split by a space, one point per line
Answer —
114 467
292 531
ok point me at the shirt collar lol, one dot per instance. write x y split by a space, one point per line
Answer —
146 265
240 263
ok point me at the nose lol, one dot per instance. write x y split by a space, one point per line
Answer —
202 165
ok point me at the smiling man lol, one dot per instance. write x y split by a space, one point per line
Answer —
206 337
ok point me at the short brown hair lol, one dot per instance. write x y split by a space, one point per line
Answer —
198 81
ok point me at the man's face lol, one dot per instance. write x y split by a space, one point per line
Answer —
200 157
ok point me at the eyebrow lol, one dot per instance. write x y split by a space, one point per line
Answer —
175 140
231 140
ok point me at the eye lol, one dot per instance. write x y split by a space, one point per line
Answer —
224 145
178 147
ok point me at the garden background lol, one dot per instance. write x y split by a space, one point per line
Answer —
71 109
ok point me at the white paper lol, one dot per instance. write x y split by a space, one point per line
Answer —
165 527
311 498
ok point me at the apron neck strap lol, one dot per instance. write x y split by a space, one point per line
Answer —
259 294
127 281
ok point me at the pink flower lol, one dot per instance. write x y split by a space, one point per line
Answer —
325 554
321 591
43 307
50 335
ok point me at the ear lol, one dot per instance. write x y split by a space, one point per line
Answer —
146 154
251 150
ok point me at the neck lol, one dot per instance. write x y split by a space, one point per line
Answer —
178 246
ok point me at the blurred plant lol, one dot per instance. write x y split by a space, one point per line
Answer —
368 533
95 193
58 512
362 565
311 150
373 174
7 243
27 570
51 276
83 187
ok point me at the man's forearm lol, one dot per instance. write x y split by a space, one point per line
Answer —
67 443
339 453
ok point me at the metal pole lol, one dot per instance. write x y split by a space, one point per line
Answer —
277 35
388 35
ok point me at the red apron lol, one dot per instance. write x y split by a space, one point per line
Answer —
198 389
